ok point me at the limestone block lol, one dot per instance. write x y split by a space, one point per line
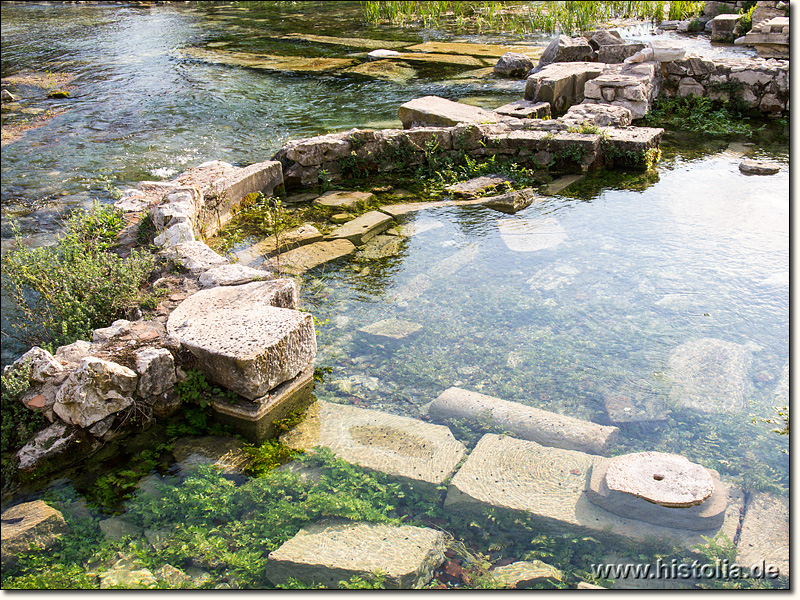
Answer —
689 87
177 234
764 13
30 523
643 55
630 144
525 109
156 369
47 444
363 228
117 328
531 235
710 375
318 150
513 64
758 167
195 257
548 486
307 257
525 574
224 453
608 94
617 54
697 65
331 551
181 205
566 49
345 200
542 426
232 275
305 234
561 85
439 112
511 202
559 185
664 51
391 329
418 453
242 340
510 143
723 28
43 365
602 115
174 577
479 186
765 532
95 390
421 138
74 352
751 77
381 246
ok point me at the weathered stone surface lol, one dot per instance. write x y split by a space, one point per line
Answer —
442 269
548 485
363 228
470 49
318 150
689 87
758 167
345 200
156 369
602 115
174 577
74 352
127 573
708 514
255 420
48 443
195 257
43 365
665 50
331 551
531 235
181 205
115 529
117 328
542 426
559 185
765 532
525 109
723 27
176 234
223 453
381 246
511 202
95 390
242 340
560 84
513 64
566 49
232 275
419 453
391 329
710 375
30 523
307 257
628 147
479 186
301 236
613 54
603 37
439 112
268 62
525 574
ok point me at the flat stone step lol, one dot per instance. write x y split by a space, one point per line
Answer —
439 112
307 257
344 199
525 109
479 186
710 375
301 236
419 453
531 235
331 551
548 486
542 426
363 228
381 246
765 532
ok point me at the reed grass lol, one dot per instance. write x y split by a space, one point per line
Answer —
564 16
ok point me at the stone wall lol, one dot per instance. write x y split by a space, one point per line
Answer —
761 84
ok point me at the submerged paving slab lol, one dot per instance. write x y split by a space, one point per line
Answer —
363 228
268 62
391 329
559 185
531 235
331 551
419 453
301 236
710 375
344 199
548 486
765 532
488 50
241 339
307 257
440 112
437 273
542 426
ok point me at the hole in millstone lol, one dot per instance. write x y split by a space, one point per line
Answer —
658 476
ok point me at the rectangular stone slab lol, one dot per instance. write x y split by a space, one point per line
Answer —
765 532
488 50
419 453
363 228
307 257
531 235
330 551
547 485
542 426
440 112
301 236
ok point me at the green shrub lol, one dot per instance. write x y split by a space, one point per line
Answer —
65 291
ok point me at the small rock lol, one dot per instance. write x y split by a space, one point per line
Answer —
395 329
513 64
7 96
30 523
340 218
525 574
758 167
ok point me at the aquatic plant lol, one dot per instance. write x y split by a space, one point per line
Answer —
701 115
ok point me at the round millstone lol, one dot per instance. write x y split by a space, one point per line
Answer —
663 479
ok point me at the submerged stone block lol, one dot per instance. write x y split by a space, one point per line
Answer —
542 426
29 523
391 329
547 485
301 236
307 257
765 532
241 339
363 228
223 453
418 453
531 235
344 199
335 550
